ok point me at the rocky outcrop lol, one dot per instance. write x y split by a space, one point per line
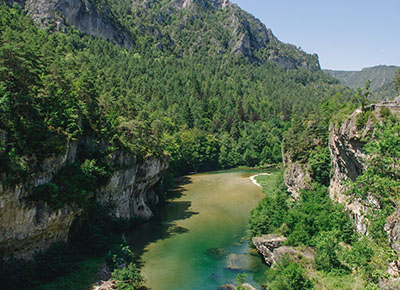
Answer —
27 226
271 248
296 176
266 246
83 15
392 229
131 190
346 143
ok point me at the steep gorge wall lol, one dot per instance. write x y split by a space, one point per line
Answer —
346 146
27 226
82 15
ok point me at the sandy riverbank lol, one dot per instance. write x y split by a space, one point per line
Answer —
253 178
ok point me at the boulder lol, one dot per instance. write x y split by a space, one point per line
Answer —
266 246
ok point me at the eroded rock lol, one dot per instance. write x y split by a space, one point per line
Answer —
266 245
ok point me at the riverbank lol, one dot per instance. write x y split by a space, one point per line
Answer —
253 178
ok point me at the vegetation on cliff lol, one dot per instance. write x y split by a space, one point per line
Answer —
316 221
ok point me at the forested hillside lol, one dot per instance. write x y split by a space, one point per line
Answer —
381 78
206 110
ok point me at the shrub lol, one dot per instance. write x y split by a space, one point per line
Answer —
128 278
289 275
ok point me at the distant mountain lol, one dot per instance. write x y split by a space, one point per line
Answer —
381 78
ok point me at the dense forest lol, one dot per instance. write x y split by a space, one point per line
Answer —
206 111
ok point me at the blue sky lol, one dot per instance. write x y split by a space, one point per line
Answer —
346 34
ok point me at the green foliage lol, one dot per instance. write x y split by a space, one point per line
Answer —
314 214
381 78
119 255
289 275
328 250
396 80
381 179
240 279
73 184
320 163
128 278
360 255
363 118
59 87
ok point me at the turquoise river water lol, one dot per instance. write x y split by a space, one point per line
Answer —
196 241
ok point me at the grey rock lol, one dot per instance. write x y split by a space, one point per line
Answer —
82 15
266 246
28 227
227 287
238 262
248 286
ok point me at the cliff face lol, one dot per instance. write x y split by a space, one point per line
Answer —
27 227
131 190
82 15
348 160
346 147
296 176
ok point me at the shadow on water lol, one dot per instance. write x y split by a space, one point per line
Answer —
163 224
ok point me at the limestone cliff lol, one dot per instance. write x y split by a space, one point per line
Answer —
346 144
83 15
27 226
296 176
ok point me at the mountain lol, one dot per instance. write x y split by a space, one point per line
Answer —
381 78
180 27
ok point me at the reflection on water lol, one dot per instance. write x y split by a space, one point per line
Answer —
196 239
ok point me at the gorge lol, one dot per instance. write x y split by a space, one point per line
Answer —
105 103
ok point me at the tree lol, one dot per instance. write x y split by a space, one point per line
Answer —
396 81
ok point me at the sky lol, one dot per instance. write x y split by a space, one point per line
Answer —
346 34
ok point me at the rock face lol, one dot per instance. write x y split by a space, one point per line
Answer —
266 246
246 35
131 190
296 176
27 227
346 147
392 229
83 15
270 246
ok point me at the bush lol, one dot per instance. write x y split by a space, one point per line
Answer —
289 275
119 255
328 247
128 278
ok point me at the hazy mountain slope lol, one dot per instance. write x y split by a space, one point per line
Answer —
381 78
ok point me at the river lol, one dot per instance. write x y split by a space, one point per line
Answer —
196 240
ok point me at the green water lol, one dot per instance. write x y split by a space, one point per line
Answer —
188 246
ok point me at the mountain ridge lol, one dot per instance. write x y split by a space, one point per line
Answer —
381 78
175 26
